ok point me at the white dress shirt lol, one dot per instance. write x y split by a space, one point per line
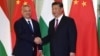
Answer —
59 19
30 22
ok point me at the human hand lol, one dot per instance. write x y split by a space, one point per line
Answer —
38 40
72 54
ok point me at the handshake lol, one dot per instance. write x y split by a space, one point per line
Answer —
38 40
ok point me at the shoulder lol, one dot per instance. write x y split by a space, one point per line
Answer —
35 22
52 21
68 19
20 20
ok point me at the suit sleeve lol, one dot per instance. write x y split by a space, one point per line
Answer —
20 33
39 35
48 37
72 36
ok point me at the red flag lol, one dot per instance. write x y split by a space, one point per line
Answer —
58 0
3 4
17 14
83 13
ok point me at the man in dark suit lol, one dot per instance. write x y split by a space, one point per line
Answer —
26 31
61 33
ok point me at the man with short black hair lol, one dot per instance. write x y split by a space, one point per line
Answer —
62 33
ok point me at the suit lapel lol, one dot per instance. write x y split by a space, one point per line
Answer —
33 26
53 25
26 24
60 24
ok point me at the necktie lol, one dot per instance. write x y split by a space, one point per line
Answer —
56 25
30 26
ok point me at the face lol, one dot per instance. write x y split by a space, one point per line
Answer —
56 10
26 12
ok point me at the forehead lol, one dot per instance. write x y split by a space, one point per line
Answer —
25 7
56 6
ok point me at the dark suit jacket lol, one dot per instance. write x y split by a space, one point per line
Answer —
25 38
63 40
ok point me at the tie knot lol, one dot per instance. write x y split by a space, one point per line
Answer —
29 22
56 19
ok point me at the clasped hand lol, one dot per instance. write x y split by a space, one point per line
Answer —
38 40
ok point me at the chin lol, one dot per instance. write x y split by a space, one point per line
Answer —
55 16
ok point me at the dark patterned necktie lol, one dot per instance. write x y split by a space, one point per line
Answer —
56 25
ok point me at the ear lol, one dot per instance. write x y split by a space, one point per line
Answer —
62 9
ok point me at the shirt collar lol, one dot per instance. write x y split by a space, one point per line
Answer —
28 19
60 17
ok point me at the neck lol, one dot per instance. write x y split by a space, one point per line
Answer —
58 16
26 18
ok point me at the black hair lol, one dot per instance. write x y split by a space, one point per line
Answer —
58 3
